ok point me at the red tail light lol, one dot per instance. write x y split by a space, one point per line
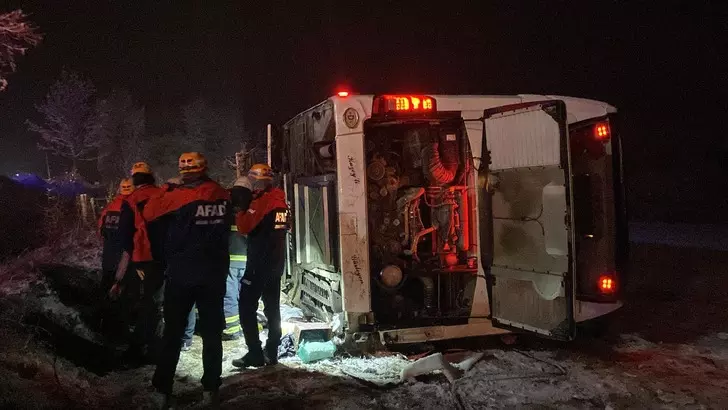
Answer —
602 131
607 284
343 93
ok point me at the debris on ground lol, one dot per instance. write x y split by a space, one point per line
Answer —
51 356
312 351
287 348
430 364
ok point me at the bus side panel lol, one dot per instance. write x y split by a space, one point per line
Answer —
353 225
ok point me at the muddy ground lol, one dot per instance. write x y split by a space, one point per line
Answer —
668 348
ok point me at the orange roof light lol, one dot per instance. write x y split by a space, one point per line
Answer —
607 284
343 93
601 131
402 104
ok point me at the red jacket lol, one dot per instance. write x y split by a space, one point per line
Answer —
266 223
198 229
140 240
112 209
109 231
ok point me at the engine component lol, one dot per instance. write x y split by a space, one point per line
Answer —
394 247
463 221
408 206
429 291
418 211
391 276
377 168
441 159
413 151
451 259
392 183
416 239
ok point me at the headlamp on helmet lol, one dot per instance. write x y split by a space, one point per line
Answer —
190 162
261 172
126 186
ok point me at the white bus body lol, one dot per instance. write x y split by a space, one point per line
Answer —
524 229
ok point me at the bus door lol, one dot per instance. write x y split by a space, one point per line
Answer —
527 238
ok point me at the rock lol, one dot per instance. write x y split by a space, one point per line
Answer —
723 336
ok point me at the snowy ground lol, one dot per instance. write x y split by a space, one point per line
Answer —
668 348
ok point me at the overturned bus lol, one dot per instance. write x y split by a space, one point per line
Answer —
431 217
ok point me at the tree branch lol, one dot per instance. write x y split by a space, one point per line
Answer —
17 35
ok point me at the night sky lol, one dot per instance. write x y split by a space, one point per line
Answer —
664 67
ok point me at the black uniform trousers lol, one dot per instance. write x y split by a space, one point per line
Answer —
148 326
178 301
117 315
256 284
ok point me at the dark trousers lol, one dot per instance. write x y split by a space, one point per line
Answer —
178 301
268 287
147 329
230 306
110 312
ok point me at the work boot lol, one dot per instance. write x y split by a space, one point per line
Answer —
211 399
250 360
270 359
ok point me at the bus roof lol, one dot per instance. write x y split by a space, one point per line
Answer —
472 106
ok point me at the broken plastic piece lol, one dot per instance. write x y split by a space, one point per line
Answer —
430 364
436 362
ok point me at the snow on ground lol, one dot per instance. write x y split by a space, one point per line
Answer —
639 374
635 367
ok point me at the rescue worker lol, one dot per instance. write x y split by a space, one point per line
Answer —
111 254
238 258
142 243
266 223
197 264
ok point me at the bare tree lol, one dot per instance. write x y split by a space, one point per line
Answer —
122 134
215 131
17 35
163 151
71 127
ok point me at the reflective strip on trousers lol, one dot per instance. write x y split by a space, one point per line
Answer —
232 330
232 319
239 258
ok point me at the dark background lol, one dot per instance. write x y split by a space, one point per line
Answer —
662 64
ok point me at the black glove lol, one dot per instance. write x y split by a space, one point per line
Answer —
241 198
